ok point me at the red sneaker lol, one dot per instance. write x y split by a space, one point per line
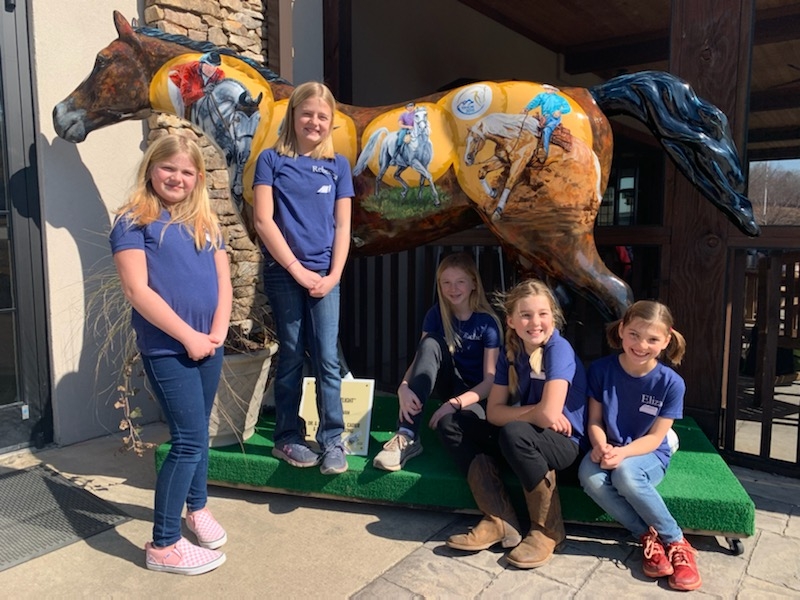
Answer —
685 576
655 563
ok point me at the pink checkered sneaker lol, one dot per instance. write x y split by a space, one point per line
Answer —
202 523
184 558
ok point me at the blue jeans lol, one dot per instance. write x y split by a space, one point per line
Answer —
186 389
312 324
628 493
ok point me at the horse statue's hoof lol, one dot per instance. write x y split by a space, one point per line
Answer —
497 214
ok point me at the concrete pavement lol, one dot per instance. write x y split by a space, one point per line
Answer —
299 547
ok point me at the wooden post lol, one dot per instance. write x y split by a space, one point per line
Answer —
710 47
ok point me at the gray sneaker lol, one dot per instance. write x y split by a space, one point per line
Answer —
297 455
396 452
334 461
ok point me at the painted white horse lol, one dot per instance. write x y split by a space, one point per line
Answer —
416 154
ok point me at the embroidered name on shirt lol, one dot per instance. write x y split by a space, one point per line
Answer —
324 171
650 404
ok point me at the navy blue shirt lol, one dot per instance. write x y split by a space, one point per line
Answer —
559 362
183 276
477 333
632 404
305 191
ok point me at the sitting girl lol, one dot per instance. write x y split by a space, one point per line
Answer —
456 355
535 424
633 400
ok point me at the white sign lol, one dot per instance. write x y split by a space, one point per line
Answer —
357 395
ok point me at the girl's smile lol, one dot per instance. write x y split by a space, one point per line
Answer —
312 123
533 322
642 344
174 179
457 287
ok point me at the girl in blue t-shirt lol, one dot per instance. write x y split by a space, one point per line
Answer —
633 401
535 424
174 271
456 356
302 206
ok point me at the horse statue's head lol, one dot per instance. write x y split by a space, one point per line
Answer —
100 100
474 144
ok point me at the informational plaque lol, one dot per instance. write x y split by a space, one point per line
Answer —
357 395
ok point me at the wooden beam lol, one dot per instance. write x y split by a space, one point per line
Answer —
784 98
337 27
711 46
776 153
772 26
773 134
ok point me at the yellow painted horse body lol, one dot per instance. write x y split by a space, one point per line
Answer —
541 207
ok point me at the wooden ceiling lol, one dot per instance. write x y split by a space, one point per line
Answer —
611 37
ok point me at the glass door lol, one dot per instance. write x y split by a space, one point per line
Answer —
25 413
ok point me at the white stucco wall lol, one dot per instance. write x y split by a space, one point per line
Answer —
79 186
403 50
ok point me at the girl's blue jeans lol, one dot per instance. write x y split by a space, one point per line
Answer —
305 324
628 493
186 389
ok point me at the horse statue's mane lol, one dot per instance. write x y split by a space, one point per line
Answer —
203 47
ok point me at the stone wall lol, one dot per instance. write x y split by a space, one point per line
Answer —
239 25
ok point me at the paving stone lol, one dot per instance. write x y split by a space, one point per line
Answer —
775 560
381 588
517 583
763 590
438 576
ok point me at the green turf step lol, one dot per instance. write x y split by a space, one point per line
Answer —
699 489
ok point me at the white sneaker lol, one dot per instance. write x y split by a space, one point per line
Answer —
396 452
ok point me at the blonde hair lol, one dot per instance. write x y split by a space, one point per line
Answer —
287 139
477 298
508 304
652 313
194 213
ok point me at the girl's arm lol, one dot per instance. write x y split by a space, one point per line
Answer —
222 316
473 395
548 413
273 240
498 412
343 211
595 429
648 442
132 268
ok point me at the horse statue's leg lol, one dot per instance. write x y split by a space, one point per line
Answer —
425 175
519 160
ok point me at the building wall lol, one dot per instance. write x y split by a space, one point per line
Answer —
79 186
407 49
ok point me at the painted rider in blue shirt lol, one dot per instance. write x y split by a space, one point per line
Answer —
551 106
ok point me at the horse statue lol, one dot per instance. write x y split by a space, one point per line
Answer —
547 220
415 153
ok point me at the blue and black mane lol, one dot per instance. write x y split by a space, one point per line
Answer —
203 47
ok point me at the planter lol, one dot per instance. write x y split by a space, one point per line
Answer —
238 401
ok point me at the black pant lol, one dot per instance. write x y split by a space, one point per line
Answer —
433 369
529 450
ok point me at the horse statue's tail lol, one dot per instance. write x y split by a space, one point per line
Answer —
694 133
368 150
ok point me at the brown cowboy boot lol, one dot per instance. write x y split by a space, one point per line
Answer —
547 527
499 523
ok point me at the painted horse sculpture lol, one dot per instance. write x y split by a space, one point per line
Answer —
549 165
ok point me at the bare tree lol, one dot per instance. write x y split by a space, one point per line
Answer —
775 193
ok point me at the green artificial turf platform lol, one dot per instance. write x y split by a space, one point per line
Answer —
699 488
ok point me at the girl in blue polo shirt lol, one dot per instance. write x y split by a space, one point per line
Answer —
535 414
302 205
633 400
174 271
